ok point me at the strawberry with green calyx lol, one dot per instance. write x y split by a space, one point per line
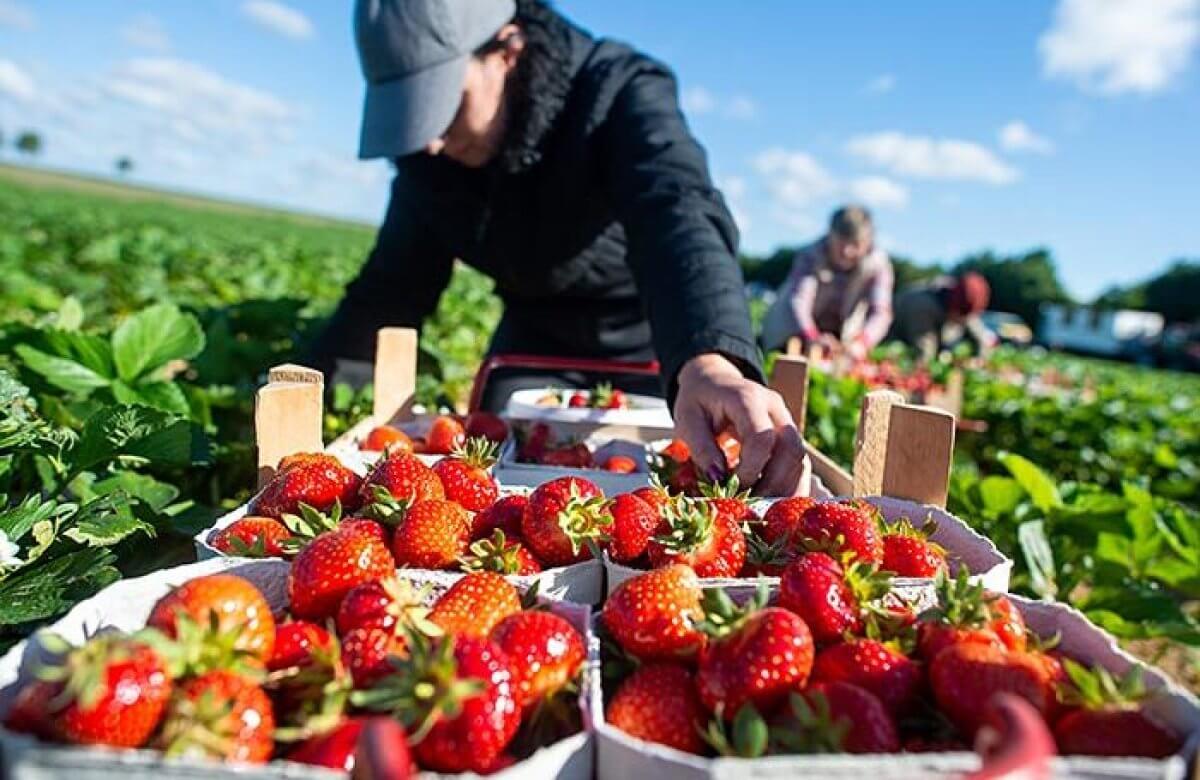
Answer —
221 715
112 690
308 523
766 559
311 695
316 479
634 523
544 650
564 521
500 555
658 703
455 695
1109 717
504 515
475 604
225 608
834 718
465 475
402 477
879 667
433 535
699 535
333 563
729 499
908 551
744 737
604 396
383 603
965 612
837 527
781 521
367 653
652 616
833 601
655 494
252 537
755 654
965 676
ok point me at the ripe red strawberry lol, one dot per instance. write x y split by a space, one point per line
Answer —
634 522
404 477
544 650
754 655
465 476
652 616
577 400
782 519
830 599
458 693
907 552
562 516
475 604
676 469
252 537
316 479
445 435
219 715
309 523
500 555
843 528
433 535
732 449
701 536
677 450
965 677
729 500
504 515
654 494
569 456
658 703
333 563
965 613
366 652
487 425
381 603
620 464
534 444
1108 716
834 718
295 643
386 438
243 620
604 396
334 748
875 666
110 691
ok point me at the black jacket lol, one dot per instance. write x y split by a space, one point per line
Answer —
615 244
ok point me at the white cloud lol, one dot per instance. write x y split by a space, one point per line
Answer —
924 157
146 32
16 83
734 189
322 166
16 15
794 178
878 191
884 82
698 100
1016 136
279 18
1115 46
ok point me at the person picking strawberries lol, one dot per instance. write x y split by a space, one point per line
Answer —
560 165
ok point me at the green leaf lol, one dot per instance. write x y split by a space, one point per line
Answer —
134 431
151 492
106 521
1041 489
63 373
16 521
70 314
1000 495
1116 550
163 395
1039 558
49 588
152 337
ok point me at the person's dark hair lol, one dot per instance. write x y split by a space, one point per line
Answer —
539 86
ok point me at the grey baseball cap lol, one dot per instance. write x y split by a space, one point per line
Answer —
414 56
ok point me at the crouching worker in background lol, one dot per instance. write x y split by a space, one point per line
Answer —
839 293
934 316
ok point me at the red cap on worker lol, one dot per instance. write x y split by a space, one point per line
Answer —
970 294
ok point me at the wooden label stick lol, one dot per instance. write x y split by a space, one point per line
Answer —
287 420
293 372
870 442
395 373
920 448
794 347
789 378
836 478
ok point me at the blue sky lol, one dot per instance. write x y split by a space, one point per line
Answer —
1069 124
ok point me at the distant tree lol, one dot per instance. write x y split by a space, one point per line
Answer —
1117 297
1176 293
770 270
123 165
909 273
29 142
1021 283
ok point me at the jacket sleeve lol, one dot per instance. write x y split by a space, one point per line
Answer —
682 241
399 285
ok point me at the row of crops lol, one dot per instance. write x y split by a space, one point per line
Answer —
134 333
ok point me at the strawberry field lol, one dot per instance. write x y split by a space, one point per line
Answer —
134 333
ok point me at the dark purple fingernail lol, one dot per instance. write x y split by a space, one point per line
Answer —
715 473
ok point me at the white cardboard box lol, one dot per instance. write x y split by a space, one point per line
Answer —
125 605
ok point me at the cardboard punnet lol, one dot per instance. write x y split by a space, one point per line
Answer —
620 756
125 606
964 545
644 412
